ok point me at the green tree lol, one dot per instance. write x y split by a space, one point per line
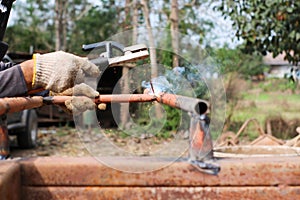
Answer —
32 27
266 26
191 22
79 22
97 25
235 67
235 61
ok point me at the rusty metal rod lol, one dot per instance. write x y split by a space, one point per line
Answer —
106 98
16 104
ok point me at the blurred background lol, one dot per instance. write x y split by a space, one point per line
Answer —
255 46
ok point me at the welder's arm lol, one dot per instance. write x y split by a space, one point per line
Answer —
61 73
16 80
12 82
27 70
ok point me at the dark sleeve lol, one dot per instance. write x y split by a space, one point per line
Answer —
12 82
4 66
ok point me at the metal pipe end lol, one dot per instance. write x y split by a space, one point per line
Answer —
201 107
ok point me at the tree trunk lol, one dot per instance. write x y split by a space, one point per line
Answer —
57 25
152 50
135 7
174 32
60 24
124 108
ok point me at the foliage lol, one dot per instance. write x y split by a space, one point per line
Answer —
96 26
236 67
234 60
266 26
268 103
273 85
193 25
190 22
34 25
21 38
147 123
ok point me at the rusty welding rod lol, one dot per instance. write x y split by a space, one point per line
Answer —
16 104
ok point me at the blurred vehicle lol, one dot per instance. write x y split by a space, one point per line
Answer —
25 126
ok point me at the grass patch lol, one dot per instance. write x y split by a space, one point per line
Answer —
269 100
258 97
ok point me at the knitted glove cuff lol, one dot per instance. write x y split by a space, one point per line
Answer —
58 71
43 68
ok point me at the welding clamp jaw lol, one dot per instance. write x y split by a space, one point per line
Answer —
125 54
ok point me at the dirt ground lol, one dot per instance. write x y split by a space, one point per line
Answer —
68 141
58 141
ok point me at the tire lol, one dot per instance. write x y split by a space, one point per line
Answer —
27 138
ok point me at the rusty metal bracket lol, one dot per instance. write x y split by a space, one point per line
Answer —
201 146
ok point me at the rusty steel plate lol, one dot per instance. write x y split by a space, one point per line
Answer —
255 151
161 193
87 171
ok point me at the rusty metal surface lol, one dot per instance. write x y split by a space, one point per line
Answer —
10 180
200 142
4 139
16 104
263 151
53 171
161 193
189 104
85 178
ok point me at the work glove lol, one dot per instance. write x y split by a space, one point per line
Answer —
82 99
59 71
63 73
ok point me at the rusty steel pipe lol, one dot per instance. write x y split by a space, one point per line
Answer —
106 98
16 104
188 104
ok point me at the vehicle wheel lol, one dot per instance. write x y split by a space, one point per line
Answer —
27 138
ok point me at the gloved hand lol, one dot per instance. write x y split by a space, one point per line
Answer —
82 98
59 71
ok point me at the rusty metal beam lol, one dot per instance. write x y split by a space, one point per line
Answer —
188 193
86 178
10 180
52 171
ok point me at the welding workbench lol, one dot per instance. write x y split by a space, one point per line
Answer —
86 178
